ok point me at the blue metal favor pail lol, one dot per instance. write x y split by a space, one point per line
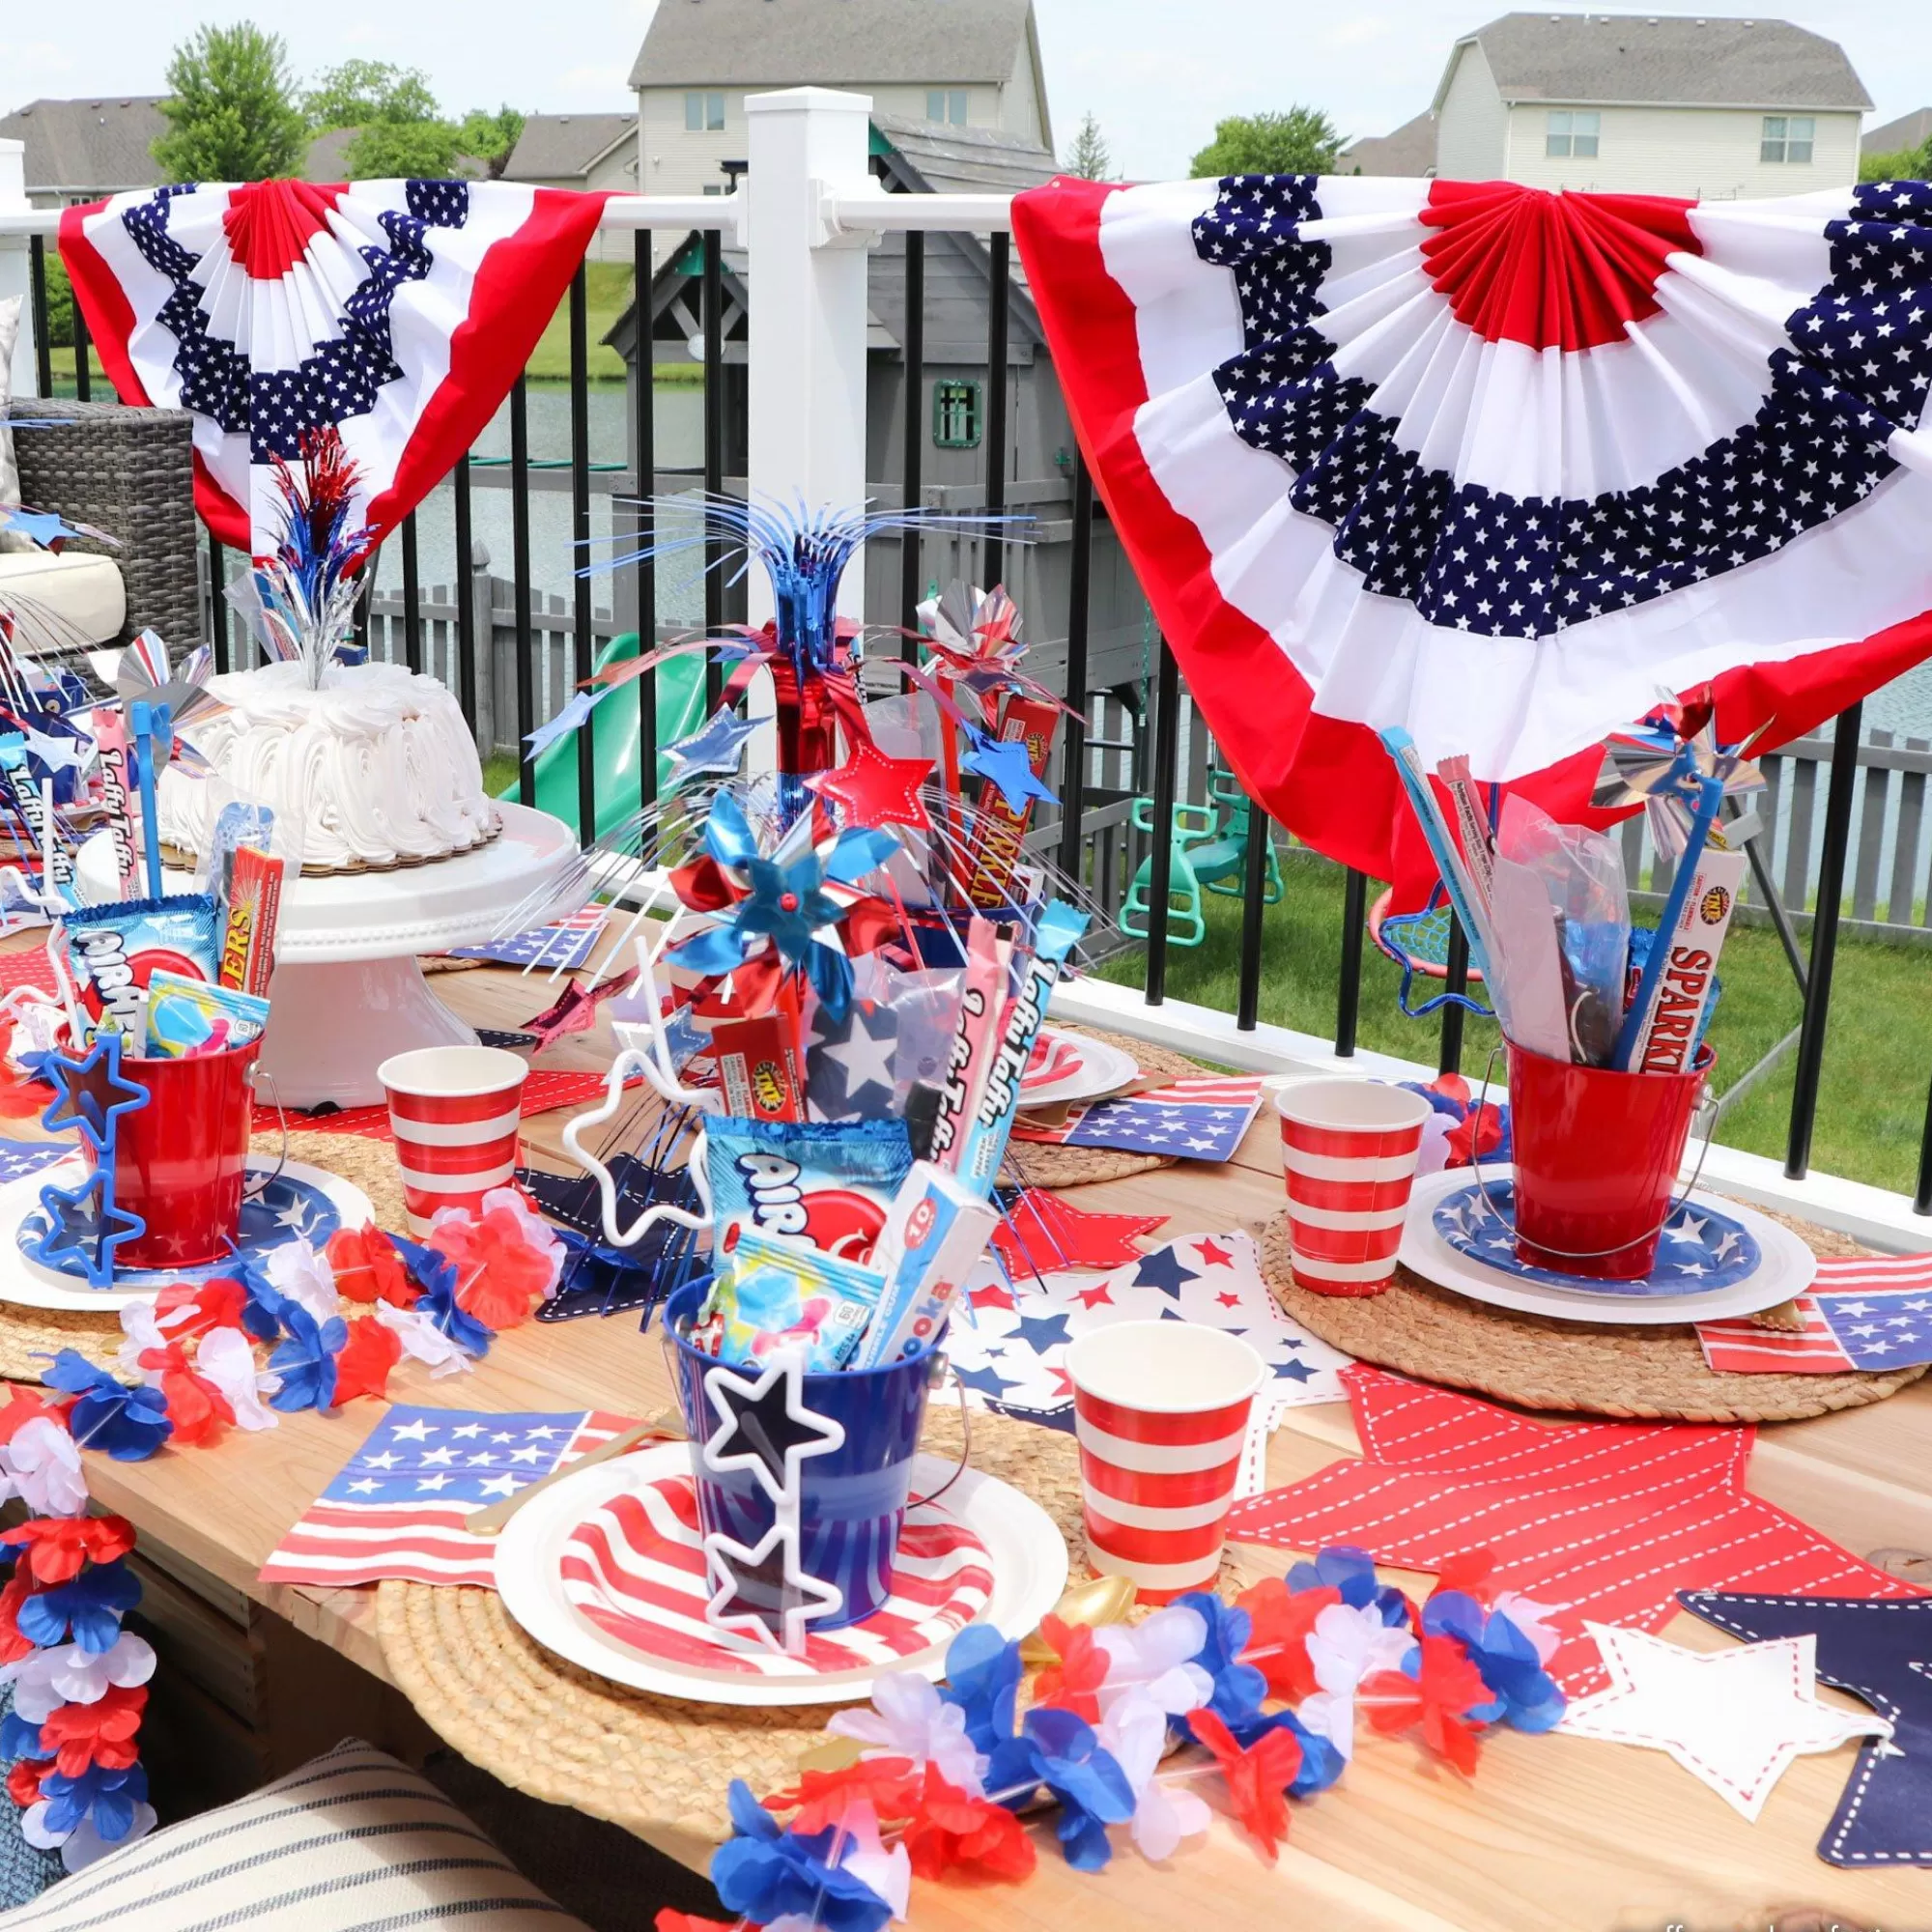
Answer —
852 1498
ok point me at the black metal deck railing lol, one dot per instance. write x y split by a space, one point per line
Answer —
1090 836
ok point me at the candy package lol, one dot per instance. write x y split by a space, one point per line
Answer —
828 1184
114 951
188 1018
771 1293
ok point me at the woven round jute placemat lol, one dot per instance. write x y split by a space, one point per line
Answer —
1654 1374
650 1764
30 1336
1040 1164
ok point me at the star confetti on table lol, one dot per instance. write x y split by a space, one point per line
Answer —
764 1424
89 1093
1609 1519
1011 1355
1042 1231
1735 1719
84 1222
1882 1652
873 789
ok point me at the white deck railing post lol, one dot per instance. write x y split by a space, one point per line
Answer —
16 263
808 147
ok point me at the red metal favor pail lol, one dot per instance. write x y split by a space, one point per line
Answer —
179 1161
1596 1154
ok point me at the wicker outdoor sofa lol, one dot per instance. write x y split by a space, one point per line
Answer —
130 472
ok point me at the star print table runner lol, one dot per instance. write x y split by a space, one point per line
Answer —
1009 1356
398 1505
1870 1312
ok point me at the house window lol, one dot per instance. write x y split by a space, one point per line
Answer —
704 113
947 105
1570 132
956 416
1787 137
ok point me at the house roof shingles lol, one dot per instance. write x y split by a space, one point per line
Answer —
823 42
80 147
964 160
1909 130
558 147
1679 61
1409 151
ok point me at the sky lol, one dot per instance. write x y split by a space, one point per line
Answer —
1158 74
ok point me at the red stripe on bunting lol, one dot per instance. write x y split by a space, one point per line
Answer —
520 282
1327 780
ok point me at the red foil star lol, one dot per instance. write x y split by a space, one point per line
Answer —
872 789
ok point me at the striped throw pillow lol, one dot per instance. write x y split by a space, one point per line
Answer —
351 1842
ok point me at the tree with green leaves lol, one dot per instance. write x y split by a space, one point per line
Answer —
361 90
231 108
1090 159
490 137
1303 141
1905 164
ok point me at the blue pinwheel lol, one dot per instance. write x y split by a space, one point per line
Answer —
783 903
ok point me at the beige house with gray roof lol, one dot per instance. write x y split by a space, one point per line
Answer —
968 64
1705 107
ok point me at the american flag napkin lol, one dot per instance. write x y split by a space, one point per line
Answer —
1192 1119
1866 1312
398 1507
564 943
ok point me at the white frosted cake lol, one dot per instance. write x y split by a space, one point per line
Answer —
377 767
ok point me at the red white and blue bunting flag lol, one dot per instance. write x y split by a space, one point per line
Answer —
1497 465
398 312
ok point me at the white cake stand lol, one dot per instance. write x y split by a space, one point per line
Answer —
348 991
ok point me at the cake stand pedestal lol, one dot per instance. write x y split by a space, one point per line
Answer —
348 991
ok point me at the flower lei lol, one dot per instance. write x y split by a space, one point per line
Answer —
79 1680
194 1356
1268 1688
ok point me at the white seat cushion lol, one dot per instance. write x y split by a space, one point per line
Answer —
75 599
351 1842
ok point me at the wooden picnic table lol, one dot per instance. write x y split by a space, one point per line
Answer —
1554 1832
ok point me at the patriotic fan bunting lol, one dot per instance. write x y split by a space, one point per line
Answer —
399 312
1497 466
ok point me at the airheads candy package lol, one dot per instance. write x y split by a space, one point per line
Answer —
773 1293
189 1018
114 949
827 1183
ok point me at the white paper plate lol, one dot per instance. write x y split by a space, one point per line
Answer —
1104 1069
30 1284
1787 1267
1028 1552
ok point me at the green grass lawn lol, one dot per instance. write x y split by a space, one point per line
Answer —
1878 1054
607 288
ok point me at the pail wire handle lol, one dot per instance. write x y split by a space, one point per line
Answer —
965 1441
281 1114
1595 1254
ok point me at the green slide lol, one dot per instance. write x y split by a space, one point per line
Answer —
613 731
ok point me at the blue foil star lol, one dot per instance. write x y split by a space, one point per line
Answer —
716 745
84 1222
90 1093
1004 764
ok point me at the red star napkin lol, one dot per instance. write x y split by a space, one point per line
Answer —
1042 1232
1598 1521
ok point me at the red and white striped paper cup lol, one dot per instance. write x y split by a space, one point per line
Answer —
455 1111
1349 1150
1160 1410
